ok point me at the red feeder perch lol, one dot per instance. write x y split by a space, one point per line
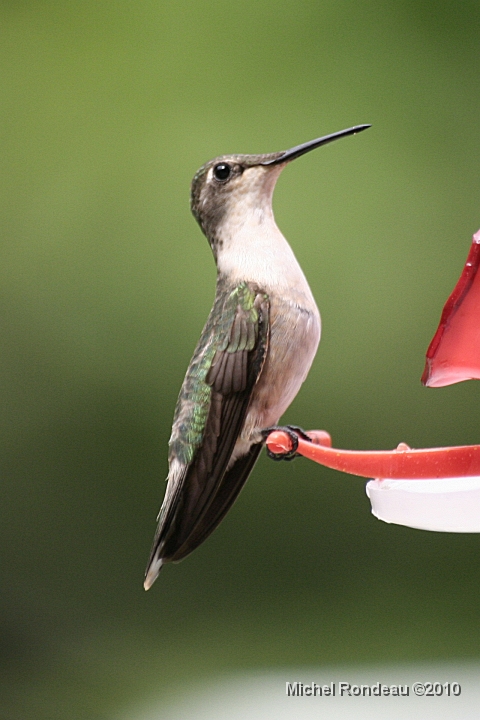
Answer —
433 488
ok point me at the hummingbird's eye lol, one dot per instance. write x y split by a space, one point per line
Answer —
222 171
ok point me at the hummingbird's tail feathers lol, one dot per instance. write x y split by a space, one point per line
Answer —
175 483
232 483
153 571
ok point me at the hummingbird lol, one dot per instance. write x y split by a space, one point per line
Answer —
254 352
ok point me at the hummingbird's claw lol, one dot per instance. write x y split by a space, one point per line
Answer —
293 433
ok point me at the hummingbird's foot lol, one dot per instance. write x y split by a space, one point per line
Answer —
300 432
293 433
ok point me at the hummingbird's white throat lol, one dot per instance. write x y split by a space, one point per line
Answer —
251 246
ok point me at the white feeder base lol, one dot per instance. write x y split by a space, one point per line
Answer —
446 505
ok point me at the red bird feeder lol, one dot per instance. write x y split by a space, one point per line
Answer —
454 353
432 488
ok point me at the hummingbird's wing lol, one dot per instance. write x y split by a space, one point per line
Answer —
208 419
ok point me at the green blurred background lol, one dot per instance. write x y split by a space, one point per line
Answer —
108 109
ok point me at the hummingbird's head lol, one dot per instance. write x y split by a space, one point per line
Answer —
227 183
232 187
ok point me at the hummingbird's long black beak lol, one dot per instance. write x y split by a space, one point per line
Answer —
312 144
